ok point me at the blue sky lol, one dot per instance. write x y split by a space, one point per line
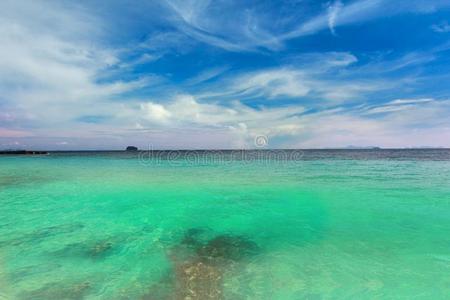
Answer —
216 74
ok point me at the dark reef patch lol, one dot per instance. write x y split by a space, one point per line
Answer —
25 179
199 266
41 234
60 291
33 270
227 247
100 248
96 249
191 237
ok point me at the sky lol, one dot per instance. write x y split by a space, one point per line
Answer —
199 74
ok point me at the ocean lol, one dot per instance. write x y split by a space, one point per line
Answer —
284 224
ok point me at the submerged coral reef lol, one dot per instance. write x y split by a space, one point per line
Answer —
199 267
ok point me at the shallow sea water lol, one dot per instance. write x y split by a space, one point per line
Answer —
356 224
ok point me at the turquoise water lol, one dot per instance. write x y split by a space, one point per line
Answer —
318 225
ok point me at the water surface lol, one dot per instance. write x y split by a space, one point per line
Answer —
327 224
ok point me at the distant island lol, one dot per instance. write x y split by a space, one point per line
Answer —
132 148
362 147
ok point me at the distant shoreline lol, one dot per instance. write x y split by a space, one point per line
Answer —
24 152
46 152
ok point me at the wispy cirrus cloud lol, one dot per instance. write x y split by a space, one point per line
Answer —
396 124
333 12
206 75
235 27
397 105
212 23
358 11
442 27
322 77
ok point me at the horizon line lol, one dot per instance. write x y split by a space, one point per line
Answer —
230 149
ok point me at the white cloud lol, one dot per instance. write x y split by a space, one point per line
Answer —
224 25
397 105
235 27
186 112
399 123
273 83
206 75
333 12
50 76
318 78
418 122
155 112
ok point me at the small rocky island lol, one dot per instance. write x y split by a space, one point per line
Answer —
132 148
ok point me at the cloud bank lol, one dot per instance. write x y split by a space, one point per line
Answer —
204 74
